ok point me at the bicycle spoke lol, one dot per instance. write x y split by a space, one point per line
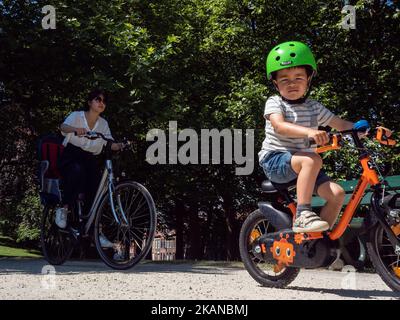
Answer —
142 228
138 207
135 236
138 245
395 262
126 198
138 217
132 201
136 212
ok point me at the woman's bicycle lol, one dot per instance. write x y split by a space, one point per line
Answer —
123 213
273 254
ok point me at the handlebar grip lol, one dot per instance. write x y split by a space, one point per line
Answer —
308 142
76 132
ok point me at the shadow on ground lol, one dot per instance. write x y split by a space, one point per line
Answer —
35 266
350 293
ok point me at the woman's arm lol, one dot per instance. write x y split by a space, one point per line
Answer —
69 129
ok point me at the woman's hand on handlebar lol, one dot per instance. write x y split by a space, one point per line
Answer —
319 136
80 131
93 135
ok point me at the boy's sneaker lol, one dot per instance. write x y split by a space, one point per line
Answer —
309 221
61 217
104 242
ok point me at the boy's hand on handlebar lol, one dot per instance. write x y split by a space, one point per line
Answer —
319 136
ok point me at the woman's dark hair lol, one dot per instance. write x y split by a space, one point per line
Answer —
93 94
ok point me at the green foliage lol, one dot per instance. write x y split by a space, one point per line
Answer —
28 212
199 62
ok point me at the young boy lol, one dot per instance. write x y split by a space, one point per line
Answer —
290 118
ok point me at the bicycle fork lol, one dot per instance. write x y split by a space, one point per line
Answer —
111 191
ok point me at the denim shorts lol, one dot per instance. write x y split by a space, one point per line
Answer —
277 167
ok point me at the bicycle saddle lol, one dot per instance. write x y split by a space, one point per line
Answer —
268 186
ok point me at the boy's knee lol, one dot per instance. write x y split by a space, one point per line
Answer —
313 160
339 192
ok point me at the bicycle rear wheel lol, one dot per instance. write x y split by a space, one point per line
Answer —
128 243
57 244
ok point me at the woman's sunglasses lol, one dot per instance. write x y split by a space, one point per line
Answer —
100 99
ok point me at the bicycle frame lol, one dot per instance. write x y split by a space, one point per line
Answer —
369 177
101 191
106 185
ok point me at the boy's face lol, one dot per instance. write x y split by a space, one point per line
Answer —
292 83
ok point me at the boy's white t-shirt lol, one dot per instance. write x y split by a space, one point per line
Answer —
77 119
310 114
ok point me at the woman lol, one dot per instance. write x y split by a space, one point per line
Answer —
78 163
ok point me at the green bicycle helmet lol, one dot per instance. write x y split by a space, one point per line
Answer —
290 54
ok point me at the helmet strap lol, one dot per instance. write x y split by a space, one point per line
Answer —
309 85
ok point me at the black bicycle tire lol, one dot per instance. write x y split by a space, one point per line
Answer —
392 281
280 281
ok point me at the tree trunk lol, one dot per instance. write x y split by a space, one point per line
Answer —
232 243
194 234
179 214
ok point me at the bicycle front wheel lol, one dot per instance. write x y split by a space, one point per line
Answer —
123 245
384 258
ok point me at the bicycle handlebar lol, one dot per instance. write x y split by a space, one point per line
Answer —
335 138
93 135
310 141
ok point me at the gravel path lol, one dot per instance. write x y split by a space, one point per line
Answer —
23 279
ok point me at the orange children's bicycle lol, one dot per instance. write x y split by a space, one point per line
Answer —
273 254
